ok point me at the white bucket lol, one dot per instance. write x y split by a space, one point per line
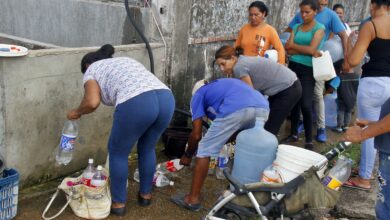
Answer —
292 161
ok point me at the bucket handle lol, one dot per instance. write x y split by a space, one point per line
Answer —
50 203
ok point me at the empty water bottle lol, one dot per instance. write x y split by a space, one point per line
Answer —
212 164
162 181
169 166
223 160
66 146
88 173
98 179
339 174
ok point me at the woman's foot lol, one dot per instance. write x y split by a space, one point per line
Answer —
118 209
358 183
309 146
144 199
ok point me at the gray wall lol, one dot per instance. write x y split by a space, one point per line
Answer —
36 92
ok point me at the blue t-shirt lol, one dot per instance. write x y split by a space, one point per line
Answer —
222 97
327 17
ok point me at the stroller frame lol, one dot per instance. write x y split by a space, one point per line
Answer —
278 192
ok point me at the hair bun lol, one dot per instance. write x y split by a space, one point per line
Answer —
107 50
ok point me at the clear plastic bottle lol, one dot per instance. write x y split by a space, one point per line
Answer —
66 146
223 160
212 164
136 176
98 179
169 166
271 175
162 181
339 174
88 173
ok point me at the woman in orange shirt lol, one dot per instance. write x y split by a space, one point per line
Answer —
257 36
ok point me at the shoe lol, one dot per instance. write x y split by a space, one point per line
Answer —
142 201
290 139
179 200
300 129
118 211
309 146
321 135
338 129
345 128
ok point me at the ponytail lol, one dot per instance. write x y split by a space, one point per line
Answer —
226 52
105 52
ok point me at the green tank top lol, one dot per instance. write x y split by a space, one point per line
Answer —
304 38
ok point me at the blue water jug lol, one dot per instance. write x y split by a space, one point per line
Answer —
255 150
331 110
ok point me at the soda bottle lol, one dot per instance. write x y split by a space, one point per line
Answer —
98 179
136 175
223 160
212 164
339 174
271 175
162 181
169 166
66 146
88 173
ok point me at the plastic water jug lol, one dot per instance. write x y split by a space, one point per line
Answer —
335 48
255 150
330 110
271 54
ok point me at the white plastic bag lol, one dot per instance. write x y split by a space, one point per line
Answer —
323 69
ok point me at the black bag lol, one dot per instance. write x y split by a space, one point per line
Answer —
175 140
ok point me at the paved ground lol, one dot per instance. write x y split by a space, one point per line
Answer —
353 204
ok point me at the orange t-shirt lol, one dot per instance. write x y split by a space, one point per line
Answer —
249 39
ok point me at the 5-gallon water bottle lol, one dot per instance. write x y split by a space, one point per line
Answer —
223 160
66 146
255 150
98 179
169 166
339 174
88 173
162 181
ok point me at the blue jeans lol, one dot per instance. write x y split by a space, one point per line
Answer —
382 208
372 93
142 118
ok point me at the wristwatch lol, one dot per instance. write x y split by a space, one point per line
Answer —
188 154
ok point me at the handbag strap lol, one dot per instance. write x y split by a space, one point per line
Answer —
51 202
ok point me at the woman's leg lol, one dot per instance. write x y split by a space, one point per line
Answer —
165 103
131 119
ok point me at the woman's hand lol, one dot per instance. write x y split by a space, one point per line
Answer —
317 54
73 114
354 134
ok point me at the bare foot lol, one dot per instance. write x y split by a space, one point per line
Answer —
358 181
146 196
117 205
189 200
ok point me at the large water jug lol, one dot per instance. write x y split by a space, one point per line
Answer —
330 110
255 150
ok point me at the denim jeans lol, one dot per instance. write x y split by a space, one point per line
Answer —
382 208
372 93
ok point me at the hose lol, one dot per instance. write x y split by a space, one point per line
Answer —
141 35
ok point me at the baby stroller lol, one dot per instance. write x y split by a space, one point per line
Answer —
304 194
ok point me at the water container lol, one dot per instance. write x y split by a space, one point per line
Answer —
330 109
284 37
271 54
335 48
255 150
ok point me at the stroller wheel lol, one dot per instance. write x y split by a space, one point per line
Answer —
233 216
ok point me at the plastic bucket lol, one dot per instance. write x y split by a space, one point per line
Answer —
292 161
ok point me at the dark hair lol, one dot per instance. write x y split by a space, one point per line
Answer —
106 51
227 51
336 6
312 3
380 3
261 6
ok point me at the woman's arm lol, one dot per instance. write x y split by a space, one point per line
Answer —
277 44
90 102
312 48
356 53
193 141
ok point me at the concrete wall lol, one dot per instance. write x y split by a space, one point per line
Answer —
36 92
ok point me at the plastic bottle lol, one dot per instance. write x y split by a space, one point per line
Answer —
162 181
169 166
255 150
98 179
212 164
271 54
136 175
271 175
223 160
66 146
88 173
339 174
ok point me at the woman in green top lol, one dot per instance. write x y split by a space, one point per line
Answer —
304 42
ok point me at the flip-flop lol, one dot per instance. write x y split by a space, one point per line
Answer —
179 200
355 172
351 184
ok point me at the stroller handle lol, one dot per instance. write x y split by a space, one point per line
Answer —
239 188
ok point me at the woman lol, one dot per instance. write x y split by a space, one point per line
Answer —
339 9
233 106
270 78
303 44
258 36
374 85
143 109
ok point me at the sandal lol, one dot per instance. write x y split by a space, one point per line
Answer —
351 184
180 201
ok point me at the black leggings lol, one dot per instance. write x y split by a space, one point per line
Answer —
281 105
305 76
